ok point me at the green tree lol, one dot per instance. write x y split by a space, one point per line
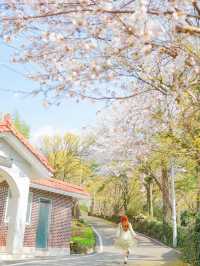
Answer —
65 153
21 125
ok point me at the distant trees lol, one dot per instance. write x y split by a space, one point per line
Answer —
21 125
66 155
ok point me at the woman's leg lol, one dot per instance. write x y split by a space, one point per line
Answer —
129 251
126 256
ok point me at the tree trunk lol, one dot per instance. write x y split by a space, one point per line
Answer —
198 190
165 199
125 192
151 199
149 188
76 210
198 199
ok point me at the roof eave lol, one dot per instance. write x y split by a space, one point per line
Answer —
59 191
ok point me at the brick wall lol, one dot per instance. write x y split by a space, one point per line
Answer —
3 225
60 219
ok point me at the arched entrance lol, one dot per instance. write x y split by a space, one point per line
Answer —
19 188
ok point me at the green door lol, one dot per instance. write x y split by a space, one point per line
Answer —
43 224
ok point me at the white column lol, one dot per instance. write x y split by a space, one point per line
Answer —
17 220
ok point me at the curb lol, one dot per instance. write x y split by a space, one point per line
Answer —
99 246
99 243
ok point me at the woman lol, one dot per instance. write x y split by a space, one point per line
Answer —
125 237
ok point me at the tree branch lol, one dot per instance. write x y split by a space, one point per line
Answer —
112 98
196 6
187 29
69 12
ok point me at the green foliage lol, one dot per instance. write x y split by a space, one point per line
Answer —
191 244
187 217
83 237
22 126
64 154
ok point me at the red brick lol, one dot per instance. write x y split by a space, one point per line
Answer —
60 219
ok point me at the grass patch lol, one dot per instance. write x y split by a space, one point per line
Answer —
83 238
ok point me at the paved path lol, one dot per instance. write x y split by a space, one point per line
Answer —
147 253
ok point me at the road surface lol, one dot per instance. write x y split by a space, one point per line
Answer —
148 252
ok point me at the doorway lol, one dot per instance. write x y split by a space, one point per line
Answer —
43 223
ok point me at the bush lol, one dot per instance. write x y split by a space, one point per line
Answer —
157 230
83 237
113 218
187 218
191 245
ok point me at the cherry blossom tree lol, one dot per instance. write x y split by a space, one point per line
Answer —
121 142
102 50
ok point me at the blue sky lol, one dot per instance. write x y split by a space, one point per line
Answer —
70 116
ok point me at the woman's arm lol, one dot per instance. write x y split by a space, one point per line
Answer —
132 231
118 231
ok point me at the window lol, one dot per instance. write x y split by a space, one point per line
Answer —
29 208
8 207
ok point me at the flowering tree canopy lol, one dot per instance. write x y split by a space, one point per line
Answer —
123 137
102 49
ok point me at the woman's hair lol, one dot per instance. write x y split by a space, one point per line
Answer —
124 222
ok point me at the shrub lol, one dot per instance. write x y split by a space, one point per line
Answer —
191 244
187 217
83 237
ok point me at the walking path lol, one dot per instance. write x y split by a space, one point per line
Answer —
147 253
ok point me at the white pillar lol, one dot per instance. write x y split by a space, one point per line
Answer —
17 219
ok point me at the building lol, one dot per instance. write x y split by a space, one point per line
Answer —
35 209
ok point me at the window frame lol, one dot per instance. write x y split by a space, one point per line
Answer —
6 218
28 220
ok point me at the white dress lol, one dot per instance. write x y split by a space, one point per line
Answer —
125 239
